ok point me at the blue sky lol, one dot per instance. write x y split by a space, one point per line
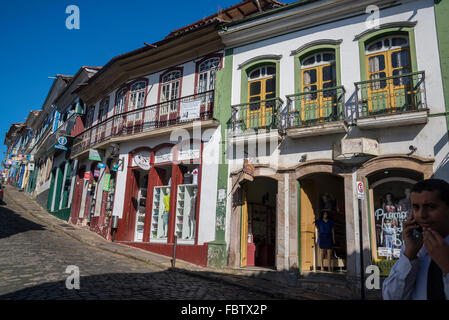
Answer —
36 43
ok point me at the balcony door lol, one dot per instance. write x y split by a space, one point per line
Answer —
169 98
318 73
206 83
388 57
261 87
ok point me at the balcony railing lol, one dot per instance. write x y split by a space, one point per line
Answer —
64 129
255 116
392 95
312 108
146 119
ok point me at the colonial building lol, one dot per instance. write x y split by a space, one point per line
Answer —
327 103
148 158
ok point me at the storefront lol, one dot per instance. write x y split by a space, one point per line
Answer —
322 193
162 201
389 180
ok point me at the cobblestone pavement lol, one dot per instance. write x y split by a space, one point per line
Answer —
34 258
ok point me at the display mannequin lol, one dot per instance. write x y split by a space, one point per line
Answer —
388 205
192 215
165 212
326 237
405 204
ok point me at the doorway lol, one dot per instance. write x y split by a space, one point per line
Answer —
321 193
258 224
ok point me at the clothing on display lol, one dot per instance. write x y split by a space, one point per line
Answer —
324 233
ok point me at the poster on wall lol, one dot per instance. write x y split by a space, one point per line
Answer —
389 215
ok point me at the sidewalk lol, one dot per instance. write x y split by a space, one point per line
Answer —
249 279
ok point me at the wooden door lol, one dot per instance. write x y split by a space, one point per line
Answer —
388 95
307 226
260 114
317 106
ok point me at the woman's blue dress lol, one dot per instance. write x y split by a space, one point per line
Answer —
324 233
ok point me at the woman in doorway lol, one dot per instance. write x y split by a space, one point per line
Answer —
326 236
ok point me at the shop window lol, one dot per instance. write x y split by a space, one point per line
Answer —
141 201
186 204
161 204
391 202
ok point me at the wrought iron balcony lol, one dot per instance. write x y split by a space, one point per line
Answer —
255 116
393 95
311 108
170 113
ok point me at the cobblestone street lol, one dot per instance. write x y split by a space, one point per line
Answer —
34 258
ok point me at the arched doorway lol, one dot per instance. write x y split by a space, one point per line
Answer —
78 194
389 206
258 223
321 192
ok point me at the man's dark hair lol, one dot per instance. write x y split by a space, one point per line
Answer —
434 185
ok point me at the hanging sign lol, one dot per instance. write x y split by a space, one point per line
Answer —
87 175
62 141
101 165
195 176
30 166
95 155
142 160
107 182
96 173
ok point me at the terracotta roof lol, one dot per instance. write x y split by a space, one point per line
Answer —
232 13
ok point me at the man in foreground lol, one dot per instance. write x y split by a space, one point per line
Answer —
422 271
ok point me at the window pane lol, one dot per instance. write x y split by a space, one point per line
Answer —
399 59
271 71
329 73
270 85
387 43
318 58
328 56
375 46
255 74
309 61
376 63
254 88
403 80
309 76
399 41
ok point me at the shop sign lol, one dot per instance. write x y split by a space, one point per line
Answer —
188 154
9 162
384 266
95 155
87 175
101 165
60 147
190 110
142 160
195 176
96 173
62 141
360 146
107 182
164 155
30 166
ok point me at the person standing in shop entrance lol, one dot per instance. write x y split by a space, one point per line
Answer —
326 237
422 271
